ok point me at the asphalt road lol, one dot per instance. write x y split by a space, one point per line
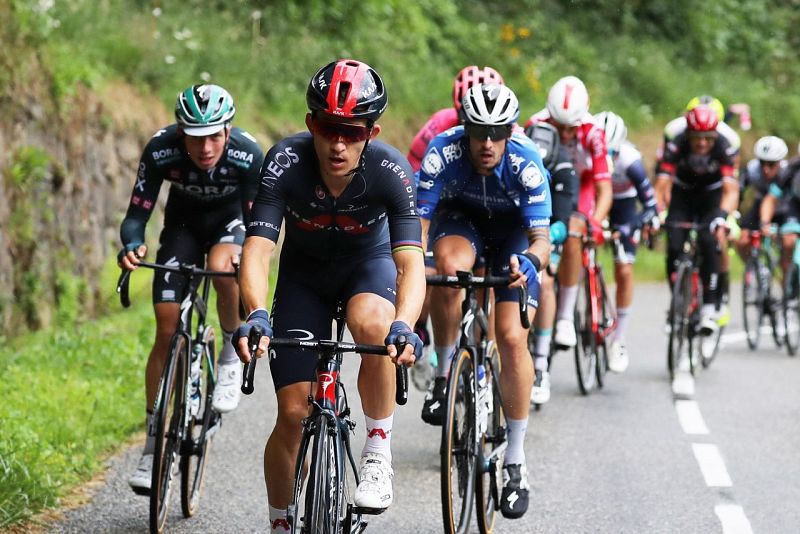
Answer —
629 458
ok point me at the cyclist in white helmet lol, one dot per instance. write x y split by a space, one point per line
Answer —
568 110
630 182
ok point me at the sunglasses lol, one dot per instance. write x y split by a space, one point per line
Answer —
333 131
495 133
768 163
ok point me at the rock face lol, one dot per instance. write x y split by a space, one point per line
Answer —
66 172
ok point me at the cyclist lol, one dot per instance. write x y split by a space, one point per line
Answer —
765 169
352 237
630 182
496 198
440 121
213 170
697 183
783 198
568 110
564 194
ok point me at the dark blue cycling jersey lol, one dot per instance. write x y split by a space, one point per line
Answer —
376 209
519 183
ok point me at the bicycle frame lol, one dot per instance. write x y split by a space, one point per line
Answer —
594 273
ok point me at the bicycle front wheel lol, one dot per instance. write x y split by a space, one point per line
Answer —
752 303
458 448
168 417
203 422
586 346
791 308
679 320
489 480
606 318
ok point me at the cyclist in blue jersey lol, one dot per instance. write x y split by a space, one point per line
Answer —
213 171
347 204
496 201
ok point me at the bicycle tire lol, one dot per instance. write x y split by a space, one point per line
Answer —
168 417
458 454
194 460
772 302
752 302
605 321
679 339
322 504
586 343
489 479
791 309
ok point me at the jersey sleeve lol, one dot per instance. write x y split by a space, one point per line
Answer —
596 144
533 182
266 214
638 177
143 199
405 231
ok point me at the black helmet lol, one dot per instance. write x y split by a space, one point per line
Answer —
547 139
347 88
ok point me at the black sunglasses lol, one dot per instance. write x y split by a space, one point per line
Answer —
495 133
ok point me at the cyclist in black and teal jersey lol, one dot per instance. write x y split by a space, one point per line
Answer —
213 171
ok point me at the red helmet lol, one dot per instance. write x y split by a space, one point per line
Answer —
470 76
702 118
347 88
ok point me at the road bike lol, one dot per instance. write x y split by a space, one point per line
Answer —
759 291
474 431
595 316
790 302
183 422
322 501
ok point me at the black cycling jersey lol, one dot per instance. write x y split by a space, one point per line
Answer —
192 191
377 206
693 171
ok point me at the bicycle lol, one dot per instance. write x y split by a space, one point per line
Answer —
757 290
474 432
595 317
789 302
183 421
328 505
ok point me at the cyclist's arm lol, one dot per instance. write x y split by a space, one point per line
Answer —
426 226
730 184
663 191
140 207
254 272
644 190
768 204
603 197
596 144
410 285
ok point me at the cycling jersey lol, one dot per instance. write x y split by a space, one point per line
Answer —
193 191
442 120
694 171
376 209
786 188
752 180
629 179
677 126
519 183
589 156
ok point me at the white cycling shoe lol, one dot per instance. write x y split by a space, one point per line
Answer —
618 357
540 393
565 335
228 391
141 479
374 490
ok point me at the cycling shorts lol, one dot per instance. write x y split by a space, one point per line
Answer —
623 212
186 238
496 237
307 294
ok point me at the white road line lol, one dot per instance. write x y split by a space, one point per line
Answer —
690 417
733 519
711 465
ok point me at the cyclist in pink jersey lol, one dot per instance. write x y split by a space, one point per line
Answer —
568 110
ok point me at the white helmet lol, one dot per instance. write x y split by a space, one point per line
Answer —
614 126
490 105
568 101
770 148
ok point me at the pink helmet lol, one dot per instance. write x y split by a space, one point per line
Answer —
470 76
568 101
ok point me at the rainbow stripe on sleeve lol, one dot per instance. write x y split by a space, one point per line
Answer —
406 245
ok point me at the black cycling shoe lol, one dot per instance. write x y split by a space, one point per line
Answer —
514 499
435 402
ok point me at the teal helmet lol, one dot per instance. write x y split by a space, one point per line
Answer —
204 109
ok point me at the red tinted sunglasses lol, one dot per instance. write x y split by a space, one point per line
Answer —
333 131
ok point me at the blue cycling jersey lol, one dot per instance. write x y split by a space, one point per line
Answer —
519 183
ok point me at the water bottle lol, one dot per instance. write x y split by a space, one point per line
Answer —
195 377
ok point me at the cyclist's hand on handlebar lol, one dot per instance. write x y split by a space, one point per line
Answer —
129 257
258 318
413 349
523 269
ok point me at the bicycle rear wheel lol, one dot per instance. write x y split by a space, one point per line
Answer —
606 319
168 417
488 483
679 321
458 446
201 429
586 345
791 308
752 302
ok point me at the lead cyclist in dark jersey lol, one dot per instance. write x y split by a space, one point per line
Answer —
348 206
212 169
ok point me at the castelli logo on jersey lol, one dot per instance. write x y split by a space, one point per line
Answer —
320 192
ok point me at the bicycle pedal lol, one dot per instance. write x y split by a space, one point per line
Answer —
368 511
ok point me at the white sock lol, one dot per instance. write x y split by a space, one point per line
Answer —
622 321
566 302
542 347
379 436
227 354
277 520
515 453
150 441
540 363
444 355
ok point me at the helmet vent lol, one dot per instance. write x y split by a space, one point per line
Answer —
344 90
